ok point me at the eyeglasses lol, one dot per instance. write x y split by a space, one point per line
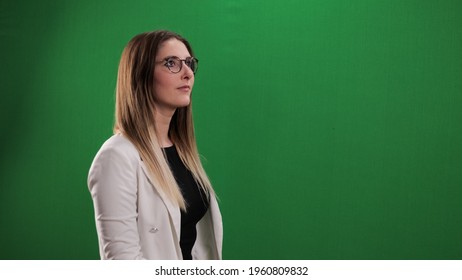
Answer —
174 64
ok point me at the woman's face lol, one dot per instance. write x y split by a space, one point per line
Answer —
172 90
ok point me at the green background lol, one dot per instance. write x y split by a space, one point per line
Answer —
330 129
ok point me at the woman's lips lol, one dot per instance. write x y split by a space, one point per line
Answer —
185 88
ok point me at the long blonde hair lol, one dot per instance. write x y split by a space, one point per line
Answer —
134 116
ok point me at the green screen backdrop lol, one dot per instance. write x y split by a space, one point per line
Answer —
330 129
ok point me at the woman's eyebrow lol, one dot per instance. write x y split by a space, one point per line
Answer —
170 56
174 56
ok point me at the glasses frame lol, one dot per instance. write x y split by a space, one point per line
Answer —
182 61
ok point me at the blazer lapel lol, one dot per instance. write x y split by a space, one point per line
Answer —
217 224
173 210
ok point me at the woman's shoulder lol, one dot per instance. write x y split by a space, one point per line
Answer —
118 146
119 142
113 170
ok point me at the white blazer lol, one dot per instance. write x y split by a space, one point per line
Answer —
134 219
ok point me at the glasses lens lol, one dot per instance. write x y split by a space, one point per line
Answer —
191 62
173 64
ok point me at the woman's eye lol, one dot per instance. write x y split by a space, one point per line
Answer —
170 62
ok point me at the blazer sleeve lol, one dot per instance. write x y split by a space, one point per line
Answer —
112 181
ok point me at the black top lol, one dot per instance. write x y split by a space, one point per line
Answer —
196 201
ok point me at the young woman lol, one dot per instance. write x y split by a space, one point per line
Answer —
152 197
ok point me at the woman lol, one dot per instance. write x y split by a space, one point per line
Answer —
152 197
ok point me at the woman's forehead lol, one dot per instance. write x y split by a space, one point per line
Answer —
173 47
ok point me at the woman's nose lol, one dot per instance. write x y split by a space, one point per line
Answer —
186 71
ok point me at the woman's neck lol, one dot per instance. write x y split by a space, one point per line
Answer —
162 124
